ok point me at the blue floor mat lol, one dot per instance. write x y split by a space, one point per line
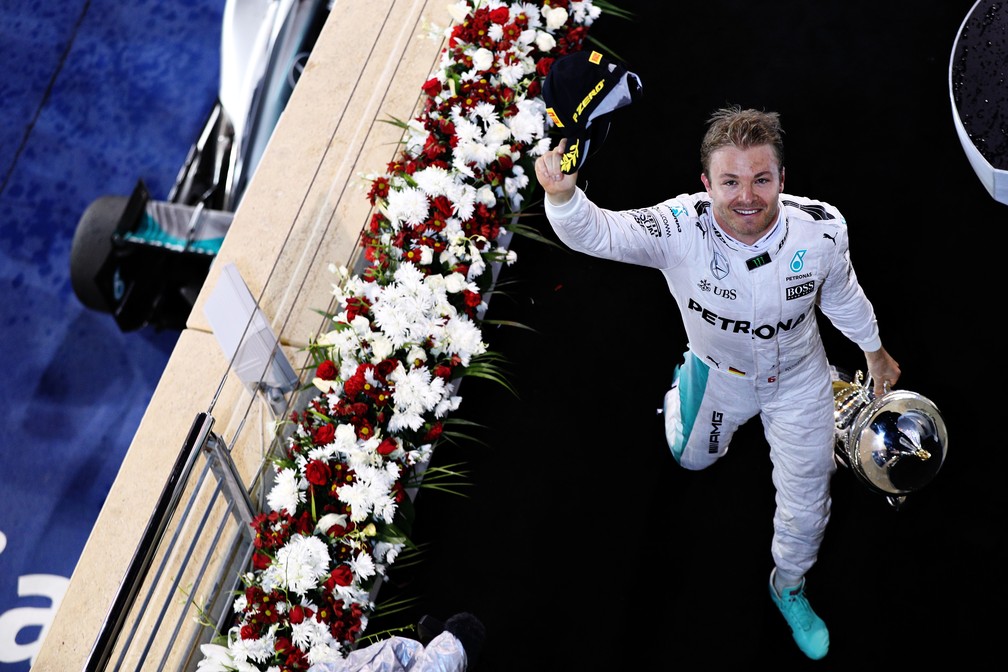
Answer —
96 95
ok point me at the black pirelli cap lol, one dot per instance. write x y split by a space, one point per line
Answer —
581 91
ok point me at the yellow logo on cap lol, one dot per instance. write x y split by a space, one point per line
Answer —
570 157
595 58
554 117
588 99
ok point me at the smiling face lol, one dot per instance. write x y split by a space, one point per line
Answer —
743 185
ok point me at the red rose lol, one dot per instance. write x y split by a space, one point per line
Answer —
471 298
318 472
434 432
387 447
341 575
324 435
500 15
326 370
432 87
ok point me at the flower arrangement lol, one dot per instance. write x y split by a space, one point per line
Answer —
405 332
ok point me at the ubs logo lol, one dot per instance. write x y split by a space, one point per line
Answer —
723 292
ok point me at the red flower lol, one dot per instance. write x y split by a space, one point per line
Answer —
297 614
472 299
323 436
341 575
326 370
500 15
387 447
379 189
317 472
434 432
431 87
260 561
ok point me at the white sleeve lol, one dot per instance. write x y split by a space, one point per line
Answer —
631 236
844 302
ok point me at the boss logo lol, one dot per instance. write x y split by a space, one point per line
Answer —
799 291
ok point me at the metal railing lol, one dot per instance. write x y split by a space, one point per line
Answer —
199 533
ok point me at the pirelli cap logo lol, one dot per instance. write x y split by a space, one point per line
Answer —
554 117
594 57
570 157
588 99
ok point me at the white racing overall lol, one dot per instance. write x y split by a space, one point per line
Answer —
754 346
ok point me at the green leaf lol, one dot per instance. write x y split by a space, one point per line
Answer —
510 323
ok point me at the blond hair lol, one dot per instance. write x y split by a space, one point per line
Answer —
736 127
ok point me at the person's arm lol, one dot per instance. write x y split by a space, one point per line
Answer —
559 187
844 302
883 369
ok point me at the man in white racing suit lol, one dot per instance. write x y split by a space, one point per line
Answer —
747 265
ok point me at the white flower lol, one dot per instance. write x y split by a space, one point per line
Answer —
326 385
386 552
287 491
555 17
381 347
406 206
511 74
371 492
433 180
363 566
330 519
459 11
309 635
257 650
584 12
299 564
416 356
482 59
544 41
529 124
463 338
463 198
325 649
485 196
415 393
455 282
216 658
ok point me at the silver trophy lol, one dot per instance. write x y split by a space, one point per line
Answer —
894 443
